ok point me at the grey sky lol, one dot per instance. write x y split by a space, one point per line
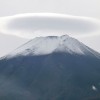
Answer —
88 8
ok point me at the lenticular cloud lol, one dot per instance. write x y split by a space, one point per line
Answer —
33 25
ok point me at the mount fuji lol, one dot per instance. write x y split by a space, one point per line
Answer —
50 68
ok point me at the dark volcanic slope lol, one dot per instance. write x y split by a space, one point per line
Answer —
54 76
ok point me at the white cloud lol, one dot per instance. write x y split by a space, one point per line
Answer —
44 24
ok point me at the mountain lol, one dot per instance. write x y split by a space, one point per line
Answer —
51 68
52 44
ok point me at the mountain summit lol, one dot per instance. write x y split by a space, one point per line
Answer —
51 68
52 44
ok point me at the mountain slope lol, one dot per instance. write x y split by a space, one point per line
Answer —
51 68
51 44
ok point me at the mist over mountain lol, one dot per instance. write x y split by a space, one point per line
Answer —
31 25
51 68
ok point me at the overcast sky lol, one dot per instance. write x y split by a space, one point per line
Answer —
87 8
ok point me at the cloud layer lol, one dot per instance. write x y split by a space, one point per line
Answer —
34 25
